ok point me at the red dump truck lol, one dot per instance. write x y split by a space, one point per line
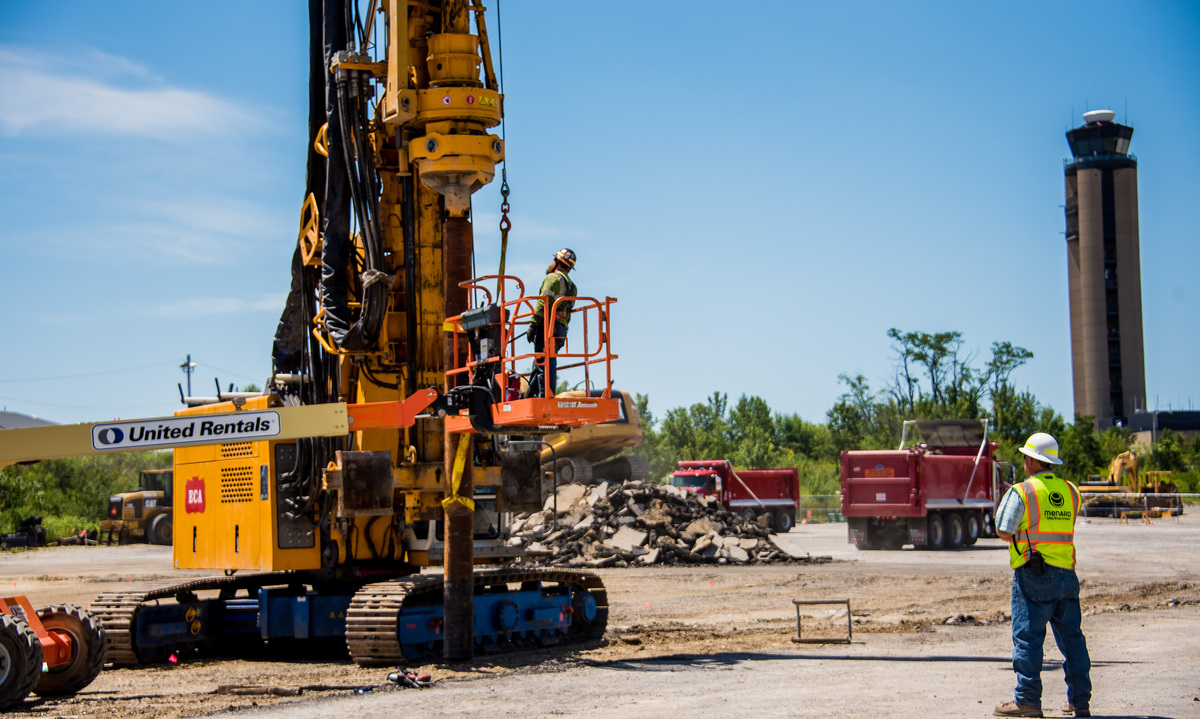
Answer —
939 493
748 492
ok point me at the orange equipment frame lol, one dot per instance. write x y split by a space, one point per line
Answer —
536 415
56 647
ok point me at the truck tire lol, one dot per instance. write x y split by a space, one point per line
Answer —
749 515
867 544
935 535
989 525
974 527
20 661
956 531
894 538
87 649
784 520
159 530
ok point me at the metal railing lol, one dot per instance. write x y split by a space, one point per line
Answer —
820 508
1136 505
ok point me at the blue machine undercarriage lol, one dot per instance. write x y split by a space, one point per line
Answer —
540 613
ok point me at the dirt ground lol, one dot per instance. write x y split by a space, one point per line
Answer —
931 638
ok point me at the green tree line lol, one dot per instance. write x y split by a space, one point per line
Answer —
70 494
934 377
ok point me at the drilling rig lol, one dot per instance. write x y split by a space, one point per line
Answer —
393 436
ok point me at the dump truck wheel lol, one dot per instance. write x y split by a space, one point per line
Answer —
935 535
956 532
159 531
893 538
870 540
974 527
20 661
749 515
87 649
784 520
988 526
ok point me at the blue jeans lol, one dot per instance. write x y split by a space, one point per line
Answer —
1054 598
551 373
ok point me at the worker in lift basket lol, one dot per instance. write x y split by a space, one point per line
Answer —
1037 519
556 284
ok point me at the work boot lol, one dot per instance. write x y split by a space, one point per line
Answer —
1013 709
1082 711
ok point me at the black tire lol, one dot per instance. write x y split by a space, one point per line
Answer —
866 545
935 533
159 531
894 538
974 526
87 649
989 525
20 661
956 531
870 540
784 520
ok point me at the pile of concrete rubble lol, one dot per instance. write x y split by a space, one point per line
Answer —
642 523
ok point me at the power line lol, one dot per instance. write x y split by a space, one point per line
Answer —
226 371
38 402
89 374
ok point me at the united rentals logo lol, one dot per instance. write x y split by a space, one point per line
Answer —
213 429
1056 499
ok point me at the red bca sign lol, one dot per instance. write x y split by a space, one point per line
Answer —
193 500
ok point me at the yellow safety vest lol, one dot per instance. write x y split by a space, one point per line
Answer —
1048 526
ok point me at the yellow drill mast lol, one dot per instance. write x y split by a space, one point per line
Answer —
387 438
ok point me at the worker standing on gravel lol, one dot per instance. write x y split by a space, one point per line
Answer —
556 284
1037 519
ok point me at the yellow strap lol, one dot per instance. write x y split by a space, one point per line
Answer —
460 463
503 252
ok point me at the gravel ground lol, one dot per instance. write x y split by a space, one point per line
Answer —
931 638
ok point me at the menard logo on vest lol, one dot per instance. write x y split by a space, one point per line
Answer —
1056 499
216 429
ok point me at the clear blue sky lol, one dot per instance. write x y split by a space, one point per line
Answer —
766 187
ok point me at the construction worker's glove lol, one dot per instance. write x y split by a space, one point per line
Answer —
535 331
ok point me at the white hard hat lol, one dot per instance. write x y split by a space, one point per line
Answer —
1041 447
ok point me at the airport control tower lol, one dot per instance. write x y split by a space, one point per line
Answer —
1104 271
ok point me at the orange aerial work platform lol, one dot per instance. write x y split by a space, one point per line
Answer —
486 362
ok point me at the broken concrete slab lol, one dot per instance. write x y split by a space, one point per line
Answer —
627 538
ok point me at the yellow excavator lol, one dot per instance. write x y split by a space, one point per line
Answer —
1127 492
597 452
362 494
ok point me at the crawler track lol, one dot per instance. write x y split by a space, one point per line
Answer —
372 632
118 610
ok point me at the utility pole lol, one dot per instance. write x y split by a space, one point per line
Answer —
188 368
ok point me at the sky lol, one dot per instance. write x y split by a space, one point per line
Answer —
766 188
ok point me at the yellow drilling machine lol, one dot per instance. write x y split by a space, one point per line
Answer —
366 493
